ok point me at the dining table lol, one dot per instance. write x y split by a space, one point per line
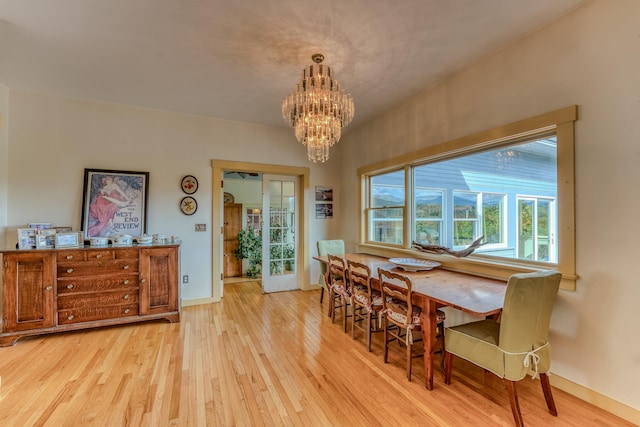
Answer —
436 288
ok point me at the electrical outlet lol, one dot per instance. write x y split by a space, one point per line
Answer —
201 227
185 279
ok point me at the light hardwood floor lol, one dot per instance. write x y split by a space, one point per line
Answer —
251 360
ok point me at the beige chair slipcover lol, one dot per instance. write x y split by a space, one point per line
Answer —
519 344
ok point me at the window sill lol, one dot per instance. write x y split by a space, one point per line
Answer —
476 265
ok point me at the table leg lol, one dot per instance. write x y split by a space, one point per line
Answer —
428 322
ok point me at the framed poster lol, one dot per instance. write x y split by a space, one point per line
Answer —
324 210
114 202
324 194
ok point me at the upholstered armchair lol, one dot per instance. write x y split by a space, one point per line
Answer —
519 344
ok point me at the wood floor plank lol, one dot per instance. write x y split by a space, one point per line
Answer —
251 360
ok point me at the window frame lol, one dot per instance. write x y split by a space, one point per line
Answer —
559 122
369 209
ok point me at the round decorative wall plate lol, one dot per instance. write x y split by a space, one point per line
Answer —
228 197
189 184
188 205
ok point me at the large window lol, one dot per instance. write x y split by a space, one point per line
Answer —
506 190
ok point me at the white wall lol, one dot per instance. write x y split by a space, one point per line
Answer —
51 140
590 58
4 157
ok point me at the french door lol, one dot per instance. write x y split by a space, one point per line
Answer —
279 233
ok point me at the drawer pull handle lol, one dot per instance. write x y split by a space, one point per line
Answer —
126 282
126 296
126 267
69 256
49 287
70 317
70 286
126 311
143 280
99 256
69 270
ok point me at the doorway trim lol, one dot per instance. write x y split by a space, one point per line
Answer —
217 216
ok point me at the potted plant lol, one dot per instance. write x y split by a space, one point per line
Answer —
250 248
288 254
275 259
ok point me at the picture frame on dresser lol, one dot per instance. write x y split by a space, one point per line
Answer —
114 202
69 240
46 238
26 238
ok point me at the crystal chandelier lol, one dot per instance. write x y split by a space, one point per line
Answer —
318 109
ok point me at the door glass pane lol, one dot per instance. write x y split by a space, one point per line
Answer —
281 228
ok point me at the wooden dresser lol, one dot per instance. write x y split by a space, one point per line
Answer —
46 291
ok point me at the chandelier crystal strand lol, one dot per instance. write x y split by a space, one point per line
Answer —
318 109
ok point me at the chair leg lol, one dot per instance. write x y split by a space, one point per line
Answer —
354 310
548 396
513 400
345 311
321 294
448 367
332 307
369 332
409 346
385 325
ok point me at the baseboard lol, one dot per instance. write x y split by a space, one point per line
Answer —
601 401
197 301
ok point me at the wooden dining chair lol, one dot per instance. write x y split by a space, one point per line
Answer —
366 303
339 290
516 346
401 319
326 247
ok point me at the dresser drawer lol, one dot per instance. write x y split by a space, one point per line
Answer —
79 315
98 299
96 268
95 284
71 255
99 254
126 253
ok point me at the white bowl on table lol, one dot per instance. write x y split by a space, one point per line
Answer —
414 264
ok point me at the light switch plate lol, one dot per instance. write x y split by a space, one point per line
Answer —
201 227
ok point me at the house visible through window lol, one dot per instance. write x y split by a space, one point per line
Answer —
507 195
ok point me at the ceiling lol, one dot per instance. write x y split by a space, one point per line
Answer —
238 59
